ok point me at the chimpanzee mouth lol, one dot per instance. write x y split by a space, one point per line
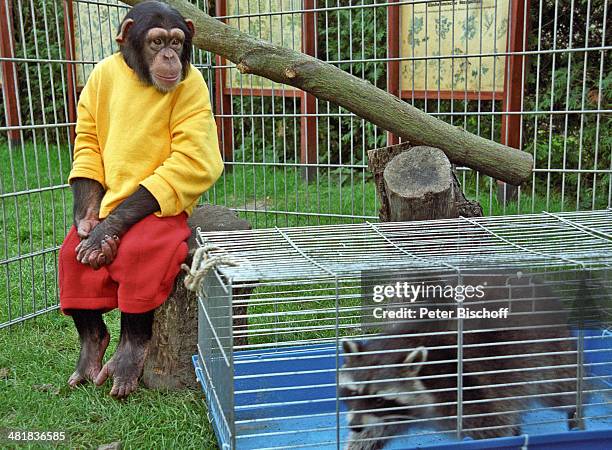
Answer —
171 79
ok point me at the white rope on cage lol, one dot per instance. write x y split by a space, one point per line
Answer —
203 262
525 445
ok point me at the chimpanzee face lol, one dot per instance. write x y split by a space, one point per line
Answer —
162 52
155 42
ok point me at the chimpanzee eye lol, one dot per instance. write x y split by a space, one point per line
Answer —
157 41
176 42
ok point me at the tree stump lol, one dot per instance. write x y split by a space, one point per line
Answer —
175 329
377 161
418 183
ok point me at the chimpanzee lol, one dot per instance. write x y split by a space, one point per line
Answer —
146 148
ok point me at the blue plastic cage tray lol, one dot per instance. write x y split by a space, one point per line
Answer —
255 373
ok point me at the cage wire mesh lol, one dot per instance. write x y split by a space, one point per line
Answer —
291 355
560 112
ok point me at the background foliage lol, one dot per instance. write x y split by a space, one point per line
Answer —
41 87
571 81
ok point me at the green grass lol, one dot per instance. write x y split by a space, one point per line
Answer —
331 198
43 351
37 358
32 222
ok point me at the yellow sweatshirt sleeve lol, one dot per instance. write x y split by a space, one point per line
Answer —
194 163
87 155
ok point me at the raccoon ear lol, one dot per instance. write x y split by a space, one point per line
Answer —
351 346
415 360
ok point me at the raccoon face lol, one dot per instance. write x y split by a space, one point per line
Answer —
375 393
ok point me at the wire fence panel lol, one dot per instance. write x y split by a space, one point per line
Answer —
34 156
534 75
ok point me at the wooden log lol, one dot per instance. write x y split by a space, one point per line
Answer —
377 161
175 329
418 183
329 83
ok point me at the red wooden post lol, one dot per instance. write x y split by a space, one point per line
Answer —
393 51
513 82
69 47
9 72
513 86
308 105
223 100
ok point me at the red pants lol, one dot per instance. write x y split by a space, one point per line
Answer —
141 276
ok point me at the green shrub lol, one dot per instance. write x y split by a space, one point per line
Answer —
38 33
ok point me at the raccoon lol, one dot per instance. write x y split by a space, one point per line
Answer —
409 373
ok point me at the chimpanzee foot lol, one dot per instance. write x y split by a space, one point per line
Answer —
125 368
90 360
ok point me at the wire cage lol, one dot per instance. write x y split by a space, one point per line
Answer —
308 342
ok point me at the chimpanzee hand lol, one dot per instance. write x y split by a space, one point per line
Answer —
100 247
84 225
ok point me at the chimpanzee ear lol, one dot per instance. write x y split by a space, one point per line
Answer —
414 361
351 346
125 26
191 26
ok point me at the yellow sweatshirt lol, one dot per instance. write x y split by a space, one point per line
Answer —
129 134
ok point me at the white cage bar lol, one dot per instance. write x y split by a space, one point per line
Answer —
271 329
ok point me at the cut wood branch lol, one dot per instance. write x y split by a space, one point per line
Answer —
327 82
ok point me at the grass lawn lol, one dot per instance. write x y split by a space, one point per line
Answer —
36 357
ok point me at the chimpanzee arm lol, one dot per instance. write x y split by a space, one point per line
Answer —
133 209
87 195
